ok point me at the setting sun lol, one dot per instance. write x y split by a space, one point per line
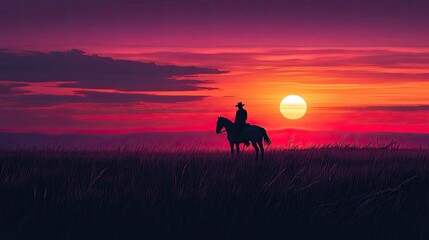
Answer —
293 107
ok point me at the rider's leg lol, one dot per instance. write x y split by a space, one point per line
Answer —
240 128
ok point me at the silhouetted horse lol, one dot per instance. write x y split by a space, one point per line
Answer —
254 134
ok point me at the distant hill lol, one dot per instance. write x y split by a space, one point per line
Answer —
208 139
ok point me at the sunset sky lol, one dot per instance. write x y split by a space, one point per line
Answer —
132 66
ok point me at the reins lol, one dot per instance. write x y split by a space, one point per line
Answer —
222 132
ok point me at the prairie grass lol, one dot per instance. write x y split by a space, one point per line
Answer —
335 192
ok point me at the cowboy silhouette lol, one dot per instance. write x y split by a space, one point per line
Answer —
240 116
240 120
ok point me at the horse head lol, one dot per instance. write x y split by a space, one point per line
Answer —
219 124
223 123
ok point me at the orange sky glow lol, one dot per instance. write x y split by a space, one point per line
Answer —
339 95
344 88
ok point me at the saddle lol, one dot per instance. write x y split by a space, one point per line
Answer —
242 132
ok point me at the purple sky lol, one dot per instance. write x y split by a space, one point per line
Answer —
65 24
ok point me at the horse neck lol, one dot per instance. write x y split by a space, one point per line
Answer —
228 125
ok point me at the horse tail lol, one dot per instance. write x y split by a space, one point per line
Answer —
266 138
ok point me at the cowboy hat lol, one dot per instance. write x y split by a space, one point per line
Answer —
240 104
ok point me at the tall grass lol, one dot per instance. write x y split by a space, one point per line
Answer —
336 192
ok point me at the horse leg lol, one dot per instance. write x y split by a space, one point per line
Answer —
261 146
256 149
237 145
231 145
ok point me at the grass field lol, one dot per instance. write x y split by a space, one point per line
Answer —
336 193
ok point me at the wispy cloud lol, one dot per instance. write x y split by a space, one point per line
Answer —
5 89
11 88
44 100
398 108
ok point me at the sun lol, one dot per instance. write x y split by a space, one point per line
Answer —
293 107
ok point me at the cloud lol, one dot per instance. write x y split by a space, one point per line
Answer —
10 88
366 65
399 108
96 72
389 108
104 97
347 58
374 77
45 100
88 73
5 89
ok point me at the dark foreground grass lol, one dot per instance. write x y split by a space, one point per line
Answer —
298 194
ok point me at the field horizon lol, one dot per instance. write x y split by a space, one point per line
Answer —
286 138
